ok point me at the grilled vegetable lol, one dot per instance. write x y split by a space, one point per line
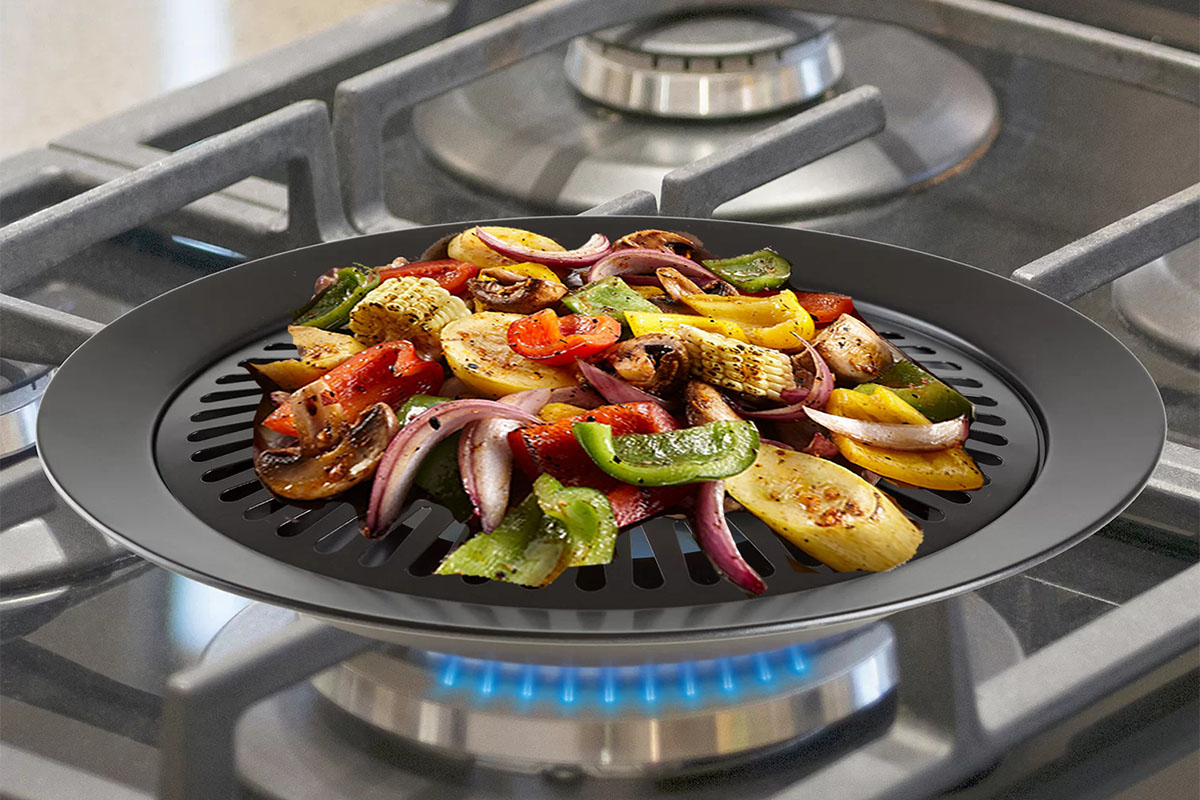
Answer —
895 435
716 541
438 474
778 322
921 390
553 449
553 412
296 474
323 349
549 339
944 469
825 306
593 250
735 365
753 272
825 510
587 516
689 455
611 297
526 548
288 375
330 307
485 459
643 323
553 528
406 308
387 373
476 348
515 294
450 274
681 244
467 246
853 350
655 363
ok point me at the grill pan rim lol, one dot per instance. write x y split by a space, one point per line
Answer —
293 586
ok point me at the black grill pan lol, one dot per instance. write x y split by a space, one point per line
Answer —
146 430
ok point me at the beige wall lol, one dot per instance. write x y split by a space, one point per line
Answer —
65 63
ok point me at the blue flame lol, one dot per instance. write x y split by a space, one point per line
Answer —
645 688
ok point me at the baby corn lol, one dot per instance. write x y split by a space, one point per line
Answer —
731 364
405 308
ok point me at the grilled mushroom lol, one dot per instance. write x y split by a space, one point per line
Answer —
853 351
298 474
682 244
705 404
654 363
515 293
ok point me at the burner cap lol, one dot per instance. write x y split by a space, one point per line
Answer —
713 66
1161 299
21 387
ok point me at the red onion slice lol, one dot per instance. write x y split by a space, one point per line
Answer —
896 436
612 388
400 462
592 251
576 396
715 539
821 447
641 261
801 398
485 459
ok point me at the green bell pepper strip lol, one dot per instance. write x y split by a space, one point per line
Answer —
330 308
921 390
587 515
438 474
754 272
688 455
611 297
552 529
527 547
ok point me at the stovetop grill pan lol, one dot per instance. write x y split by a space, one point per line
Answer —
1068 428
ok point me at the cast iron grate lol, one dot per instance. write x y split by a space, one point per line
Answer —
203 453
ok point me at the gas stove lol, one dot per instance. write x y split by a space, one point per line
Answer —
1013 142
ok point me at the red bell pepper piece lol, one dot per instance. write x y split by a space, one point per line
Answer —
389 372
557 341
825 307
451 274
552 448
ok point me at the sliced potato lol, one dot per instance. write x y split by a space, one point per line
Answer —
946 470
825 510
467 246
323 349
288 375
476 348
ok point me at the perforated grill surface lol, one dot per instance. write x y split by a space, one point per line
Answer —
203 452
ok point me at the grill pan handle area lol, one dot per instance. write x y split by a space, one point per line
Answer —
298 136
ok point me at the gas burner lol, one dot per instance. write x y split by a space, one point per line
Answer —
714 66
616 720
1162 300
21 387
525 132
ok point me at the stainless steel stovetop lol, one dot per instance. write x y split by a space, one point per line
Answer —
1079 673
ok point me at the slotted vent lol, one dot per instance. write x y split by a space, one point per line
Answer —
203 450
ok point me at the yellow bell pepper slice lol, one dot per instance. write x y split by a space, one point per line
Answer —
553 412
778 322
648 291
644 322
942 469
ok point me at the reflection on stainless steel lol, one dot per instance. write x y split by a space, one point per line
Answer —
523 132
1162 299
19 398
714 66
